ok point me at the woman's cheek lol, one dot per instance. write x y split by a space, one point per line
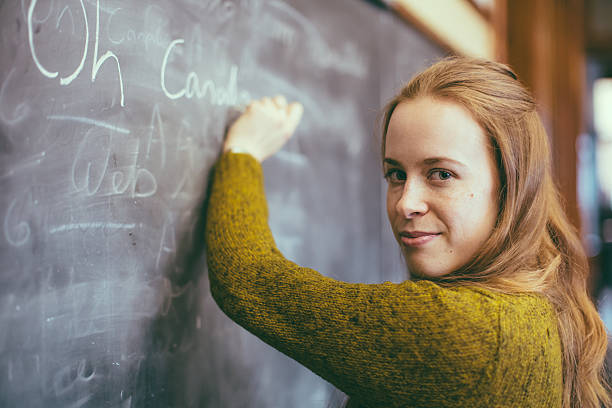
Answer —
461 215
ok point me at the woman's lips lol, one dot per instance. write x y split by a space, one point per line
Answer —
415 241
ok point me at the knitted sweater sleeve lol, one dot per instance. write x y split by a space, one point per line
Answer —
382 344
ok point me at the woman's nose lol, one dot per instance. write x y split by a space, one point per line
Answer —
412 202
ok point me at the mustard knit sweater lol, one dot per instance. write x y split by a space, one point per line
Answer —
413 344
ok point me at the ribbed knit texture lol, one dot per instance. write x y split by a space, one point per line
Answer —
413 344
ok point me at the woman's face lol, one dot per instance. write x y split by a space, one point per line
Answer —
443 184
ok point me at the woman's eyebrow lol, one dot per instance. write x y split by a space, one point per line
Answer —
391 161
436 160
429 161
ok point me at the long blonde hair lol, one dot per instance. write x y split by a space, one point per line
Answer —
533 247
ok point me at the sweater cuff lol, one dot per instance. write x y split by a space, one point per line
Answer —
239 163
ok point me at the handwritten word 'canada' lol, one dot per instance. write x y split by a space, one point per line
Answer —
218 95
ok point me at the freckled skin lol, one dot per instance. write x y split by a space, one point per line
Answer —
455 199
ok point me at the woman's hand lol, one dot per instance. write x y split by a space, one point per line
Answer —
264 127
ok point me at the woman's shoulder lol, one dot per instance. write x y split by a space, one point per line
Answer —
489 298
522 348
511 315
516 307
528 334
485 297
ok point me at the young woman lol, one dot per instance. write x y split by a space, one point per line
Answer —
497 314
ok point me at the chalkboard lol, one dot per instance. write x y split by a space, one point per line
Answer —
112 113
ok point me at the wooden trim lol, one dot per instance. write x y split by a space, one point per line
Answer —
487 14
411 19
437 20
499 19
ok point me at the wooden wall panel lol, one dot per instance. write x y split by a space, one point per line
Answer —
545 45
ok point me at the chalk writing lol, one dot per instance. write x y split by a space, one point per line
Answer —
25 164
109 54
89 225
21 110
16 231
68 79
348 61
171 291
50 4
167 244
74 375
184 146
158 37
156 124
96 63
65 10
283 32
217 94
138 178
221 10
87 184
140 181
90 121
18 366
181 184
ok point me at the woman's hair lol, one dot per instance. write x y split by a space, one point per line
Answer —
533 247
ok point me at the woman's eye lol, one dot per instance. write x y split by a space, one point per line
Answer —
395 176
442 175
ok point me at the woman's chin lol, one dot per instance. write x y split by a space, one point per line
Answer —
420 271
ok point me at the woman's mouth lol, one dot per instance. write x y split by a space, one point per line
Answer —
417 238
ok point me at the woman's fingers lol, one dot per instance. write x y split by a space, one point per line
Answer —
280 101
264 127
294 115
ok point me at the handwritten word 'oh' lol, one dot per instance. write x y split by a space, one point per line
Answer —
218 95
97 62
